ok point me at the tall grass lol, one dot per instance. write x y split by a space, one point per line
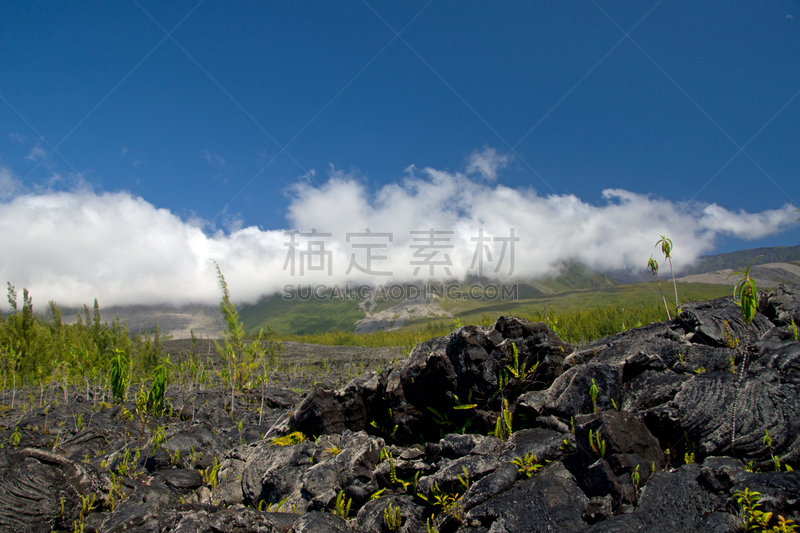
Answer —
583 325
38 350
377 339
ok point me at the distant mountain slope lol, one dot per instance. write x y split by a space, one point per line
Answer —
713 263
768 275
742 258
205 320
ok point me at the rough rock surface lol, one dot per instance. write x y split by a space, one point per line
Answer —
650 452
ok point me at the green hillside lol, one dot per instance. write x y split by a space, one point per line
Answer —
576 289
289 318
300 317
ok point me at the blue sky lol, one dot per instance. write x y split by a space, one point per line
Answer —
228 117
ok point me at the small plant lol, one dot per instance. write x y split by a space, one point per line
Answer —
393 471
342 505
666 247
793 329
392 518
119 375
295 437
155 398
688 458
728 337
87 504
449 502
264 506
210 474
15 438
159 437
455 324
754 519
502 428
652 266
700 370
552 323
635 476
464 480
515 369
333 450
593 395
767 441
460 406
598 444
745 295
114 492
567 447
529 464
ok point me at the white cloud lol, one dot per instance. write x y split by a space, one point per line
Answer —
36 153
487 163
213 159
123 150
74 246
18 137
8 183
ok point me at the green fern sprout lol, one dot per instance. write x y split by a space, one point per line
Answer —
593 391
449 502
393 471
529 464
728 337
753 518
652 266
392 518
264 506
519 372
333 450
465 482
502 428
342 505
210 474
291 439
666 247
597 443
464 406
745 295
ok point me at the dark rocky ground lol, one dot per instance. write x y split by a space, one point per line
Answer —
651 453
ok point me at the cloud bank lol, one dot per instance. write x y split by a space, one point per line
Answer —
74 246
